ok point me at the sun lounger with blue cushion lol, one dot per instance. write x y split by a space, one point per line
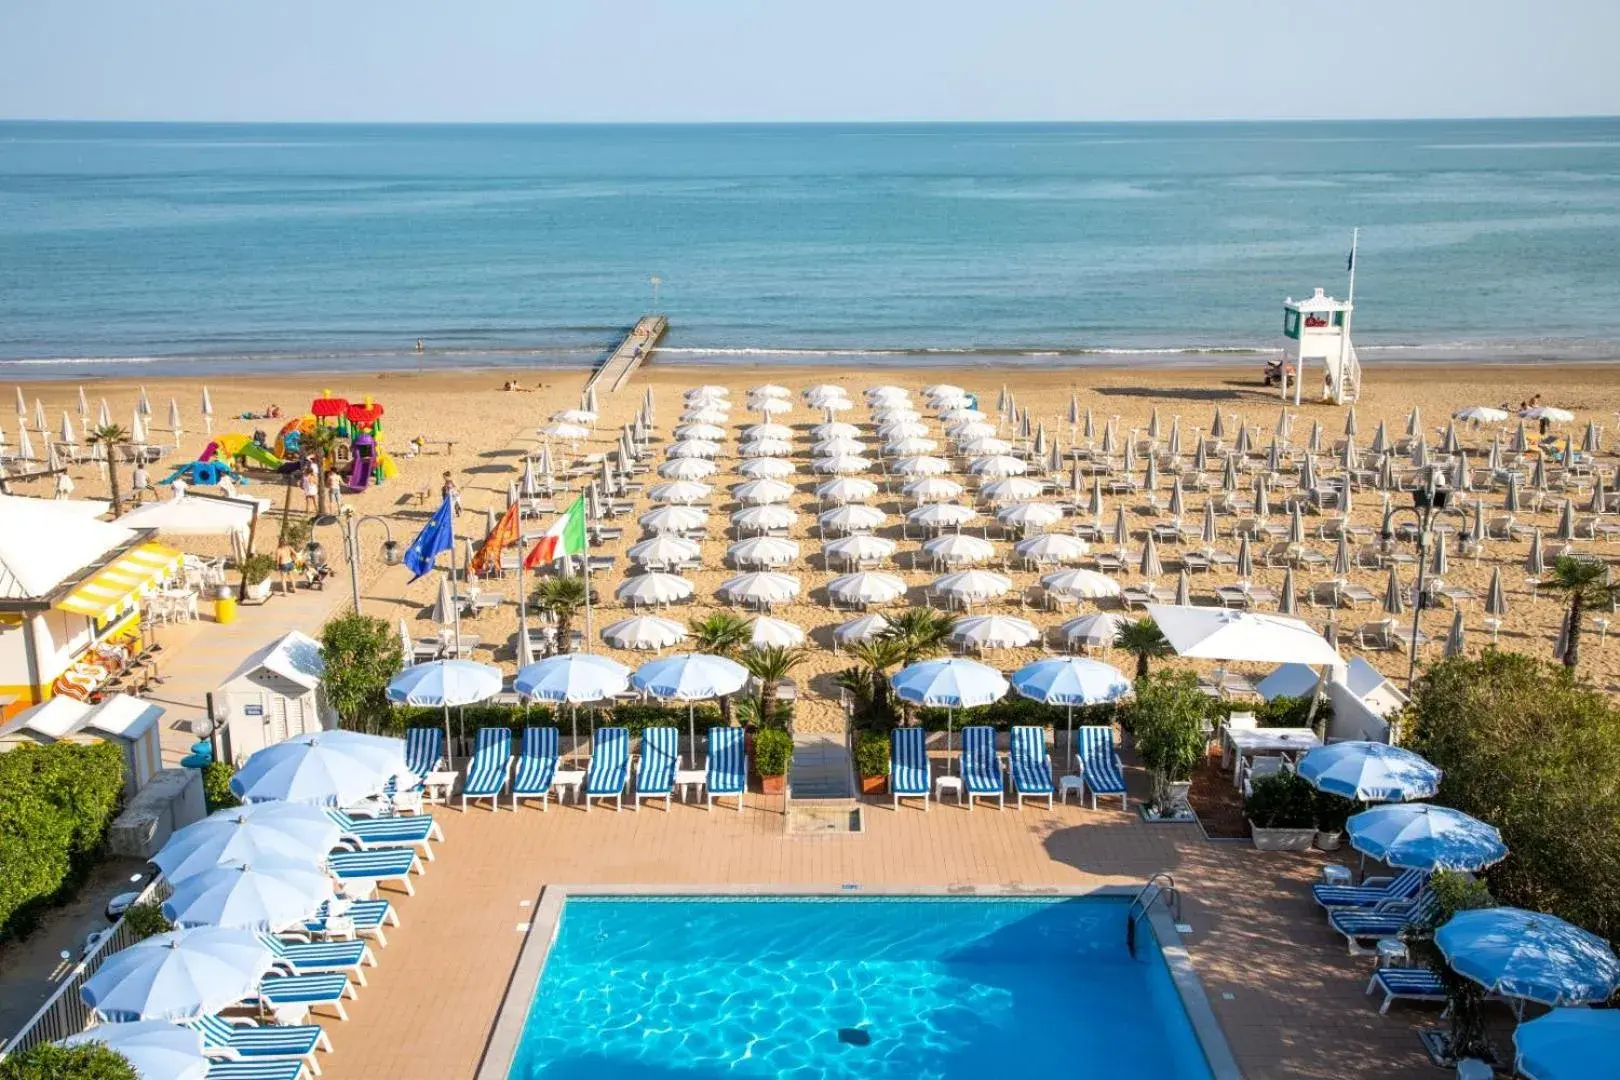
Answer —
655 769
320 957
367 917
1099 763
908 765
243 1040
486 772
726 771
981 766
424 750
1358 925
610 766
1372 893
266 1069
536 766
376 867
1410 984
309 991
393 831
1030 764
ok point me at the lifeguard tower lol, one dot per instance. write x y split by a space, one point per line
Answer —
1316 335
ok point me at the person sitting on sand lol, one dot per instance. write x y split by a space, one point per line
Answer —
273 412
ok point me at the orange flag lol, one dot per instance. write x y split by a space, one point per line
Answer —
504 535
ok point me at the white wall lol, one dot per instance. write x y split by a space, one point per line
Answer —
1352 719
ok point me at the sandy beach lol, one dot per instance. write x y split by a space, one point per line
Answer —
480 433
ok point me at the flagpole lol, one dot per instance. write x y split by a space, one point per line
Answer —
1350 310
586 552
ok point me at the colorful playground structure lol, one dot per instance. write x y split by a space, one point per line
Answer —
361 459
205 471
241 448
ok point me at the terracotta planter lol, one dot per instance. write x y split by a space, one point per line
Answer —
874 785
773 785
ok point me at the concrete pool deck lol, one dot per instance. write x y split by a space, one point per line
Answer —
1288 998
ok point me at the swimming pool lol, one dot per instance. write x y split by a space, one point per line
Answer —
880 988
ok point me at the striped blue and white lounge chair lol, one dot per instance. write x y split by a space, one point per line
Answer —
536 766
309 991
726 770
655 769
367 917
1358 925
1099 763
610 766
1411 984
1030 764
1372 893
424 750
242 1039
393 831
908 765
981 766
486 772
318 957
263 1069
375 867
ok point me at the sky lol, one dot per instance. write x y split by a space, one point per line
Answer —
788 60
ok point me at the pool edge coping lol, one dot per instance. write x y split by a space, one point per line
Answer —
500 1050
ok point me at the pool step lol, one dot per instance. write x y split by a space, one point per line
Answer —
823 817
820 768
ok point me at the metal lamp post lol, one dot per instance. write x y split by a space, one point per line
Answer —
1429 503
351 548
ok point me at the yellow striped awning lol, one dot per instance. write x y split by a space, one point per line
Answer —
135 573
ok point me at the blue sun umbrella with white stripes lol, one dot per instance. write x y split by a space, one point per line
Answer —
572 679
1070 681
951 683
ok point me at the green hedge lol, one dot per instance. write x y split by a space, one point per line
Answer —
217 793
1013 711
634 715
56 803
47 1061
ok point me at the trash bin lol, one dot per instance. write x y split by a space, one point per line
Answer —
224 609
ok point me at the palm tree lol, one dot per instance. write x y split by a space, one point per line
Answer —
722 634
111 436
1144 640
921 632
322 442
769 665
1587 583
876 657
560 597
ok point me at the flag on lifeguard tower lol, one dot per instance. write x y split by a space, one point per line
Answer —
565 537
437 537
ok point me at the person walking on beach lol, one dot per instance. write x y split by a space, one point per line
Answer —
307 482
141 482
334 490
64 485
451 492
286 563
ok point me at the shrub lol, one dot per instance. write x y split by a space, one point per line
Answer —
1332 811
257 568
1167 718
56 803
1452 893
361 654
1014 711
747 712
773 749
872 754
146 920
1284 801
216 778
47 1061
1529 750
1292 712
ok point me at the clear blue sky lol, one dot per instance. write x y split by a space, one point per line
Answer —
709 60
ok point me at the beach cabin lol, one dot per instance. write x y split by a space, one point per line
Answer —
1363 699
129 722
275 694
1316 338
71 588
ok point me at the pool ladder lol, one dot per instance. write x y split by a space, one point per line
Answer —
1143 902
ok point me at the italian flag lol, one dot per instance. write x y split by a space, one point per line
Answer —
565 537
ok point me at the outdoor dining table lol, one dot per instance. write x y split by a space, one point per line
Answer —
1267 740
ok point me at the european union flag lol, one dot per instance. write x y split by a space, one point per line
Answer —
436 537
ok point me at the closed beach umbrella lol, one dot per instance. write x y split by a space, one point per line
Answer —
103 413
1511 501
1262 499
1178 502
1569 1044
1341 555
1245 559
1313 445
1209 534
1370 772
1449 443
178 975
1241 445
174 420
643 633
1597 505
1285 602
1414 422
653 589
1529 955
1350 428
572 678
1173 445
1521 439
442 683
1107 446
66 433
327 768
1462 476
1536 561
1454 637
207 411
1296 524
1438 566
1153 424
1566 521
1074 412
1496 596
1422 836
269 899
1150 567
137 429
1088 430
1121 533
269 833
22 408
1394 594
1538 474
155 1049
1217 425
1183 588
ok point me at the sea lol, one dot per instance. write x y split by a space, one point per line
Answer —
190 249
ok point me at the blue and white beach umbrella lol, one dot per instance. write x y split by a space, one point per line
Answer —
1530 955
327 768
1570 1044
690 677
1421 836
265 833
1370 772
178 975
444 683
267 898
1070 681
572 678
155 1049
952 683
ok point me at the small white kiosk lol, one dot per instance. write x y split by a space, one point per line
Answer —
129 722
276 693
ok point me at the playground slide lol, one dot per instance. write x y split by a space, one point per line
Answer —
241 446
259 456
360 475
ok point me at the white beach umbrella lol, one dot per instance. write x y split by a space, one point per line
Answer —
680 492
1098 630
653 589
866 587
665 549
994 632
1011 489
902 429
761 587
985 446
707 415
866 628
939 390
754 432
1224 634
835 429
706 391
844 465
764 551
644 633
971 586
1053 549
1550 413
941 515
582 417
567 432
771 406
895 414
960 549
879 394
846 489
838 446
932 489
849 518
673 519
687 469
770 390
1082 584
1030 515
921 466
1481 414
762 492
693 448
960 413
711 432
766 468
207 411
764 518
859 548
997 465
967 430
909 446
759 448
767 633
817 396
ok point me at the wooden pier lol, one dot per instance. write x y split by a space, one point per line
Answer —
637 345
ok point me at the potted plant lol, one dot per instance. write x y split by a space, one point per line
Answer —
1282 813
872 761
773 749
1168 718
256 573
1332 811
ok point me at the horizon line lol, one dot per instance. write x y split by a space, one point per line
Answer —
934 122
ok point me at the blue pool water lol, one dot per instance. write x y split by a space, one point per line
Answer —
936 987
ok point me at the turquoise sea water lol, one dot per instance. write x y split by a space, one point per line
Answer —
857 988
257 247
